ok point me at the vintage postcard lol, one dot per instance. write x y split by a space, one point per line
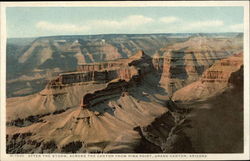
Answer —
128 80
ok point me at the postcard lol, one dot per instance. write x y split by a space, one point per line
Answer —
125 80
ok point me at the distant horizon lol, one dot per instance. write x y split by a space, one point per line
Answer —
49 21
128 34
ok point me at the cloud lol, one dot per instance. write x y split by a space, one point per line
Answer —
129 23
236 28
170 19
44 25
125 23
138 24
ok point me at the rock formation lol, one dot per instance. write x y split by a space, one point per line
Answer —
183 63
217 120
215 79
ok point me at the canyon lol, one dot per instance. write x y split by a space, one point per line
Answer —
32 63
144 101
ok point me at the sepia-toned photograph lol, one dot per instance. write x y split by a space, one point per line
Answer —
105 78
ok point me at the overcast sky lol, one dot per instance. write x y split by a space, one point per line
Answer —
47 21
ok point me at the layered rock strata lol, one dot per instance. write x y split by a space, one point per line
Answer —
183 63
214 80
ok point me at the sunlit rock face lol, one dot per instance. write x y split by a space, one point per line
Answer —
215 79
183 63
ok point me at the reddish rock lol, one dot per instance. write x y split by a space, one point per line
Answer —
213 80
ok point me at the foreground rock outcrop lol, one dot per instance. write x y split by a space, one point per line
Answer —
217 122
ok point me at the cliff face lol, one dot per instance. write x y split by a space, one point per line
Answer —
124 69
183 63
214 80
99 66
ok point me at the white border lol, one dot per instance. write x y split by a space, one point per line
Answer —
197 156
3 78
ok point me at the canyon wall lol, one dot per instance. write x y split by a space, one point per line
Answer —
183 63
123 69
214 80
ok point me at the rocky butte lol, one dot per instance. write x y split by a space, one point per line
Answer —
139 104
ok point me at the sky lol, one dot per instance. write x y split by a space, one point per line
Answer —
49 21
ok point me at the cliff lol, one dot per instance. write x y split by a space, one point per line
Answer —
124 69
183 63
67 90
214 80
218 120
